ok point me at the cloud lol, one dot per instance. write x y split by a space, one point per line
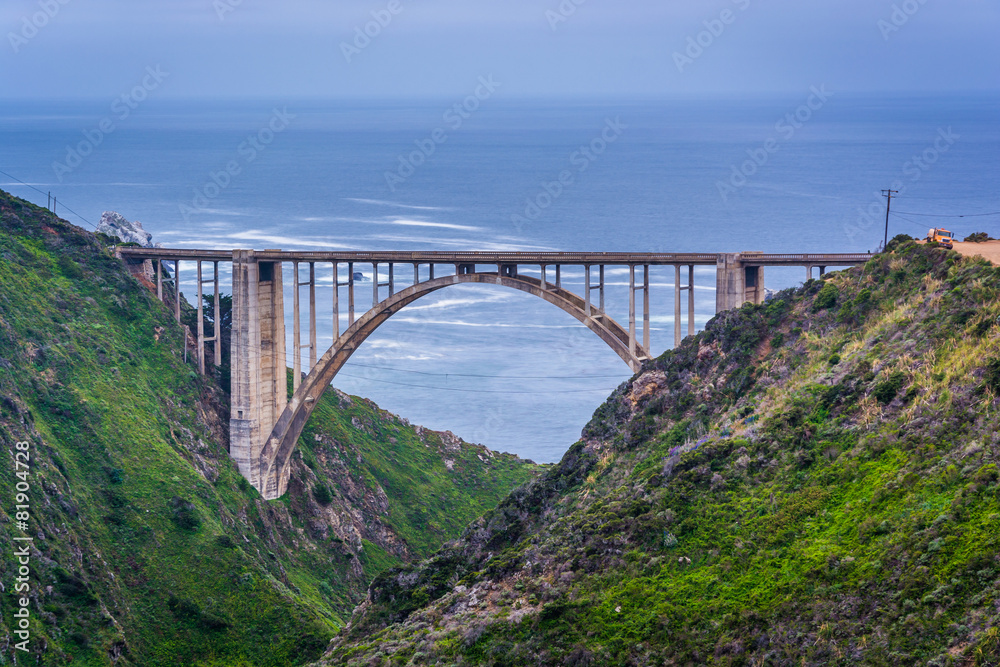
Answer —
438 47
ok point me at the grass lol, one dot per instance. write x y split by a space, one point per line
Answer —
766 508
151 549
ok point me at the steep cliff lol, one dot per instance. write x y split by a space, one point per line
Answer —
812 481
148 547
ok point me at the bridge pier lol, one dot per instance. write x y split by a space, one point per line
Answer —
738 280
259 369
678 290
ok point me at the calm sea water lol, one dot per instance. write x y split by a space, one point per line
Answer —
494 366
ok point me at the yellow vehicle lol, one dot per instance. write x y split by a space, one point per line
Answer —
942 237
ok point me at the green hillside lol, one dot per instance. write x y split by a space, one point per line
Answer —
148 547
812 481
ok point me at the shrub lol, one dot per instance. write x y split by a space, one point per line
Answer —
185 514
887 389
992 375
321 492
69 268
833 360
979 237
225 542
987 474
897 241
826 298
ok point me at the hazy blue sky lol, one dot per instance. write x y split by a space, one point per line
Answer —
98 48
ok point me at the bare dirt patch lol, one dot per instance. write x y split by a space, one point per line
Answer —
988 249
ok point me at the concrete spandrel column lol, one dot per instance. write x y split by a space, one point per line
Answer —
645 308
313 344
691 300
296 331
218 321
200 325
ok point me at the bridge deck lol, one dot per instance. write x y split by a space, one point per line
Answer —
533 258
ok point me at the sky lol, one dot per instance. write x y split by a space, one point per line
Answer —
311 48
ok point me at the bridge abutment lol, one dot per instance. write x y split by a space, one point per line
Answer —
738 280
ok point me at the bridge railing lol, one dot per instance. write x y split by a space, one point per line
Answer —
530 258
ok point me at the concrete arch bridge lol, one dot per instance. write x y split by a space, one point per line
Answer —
266 423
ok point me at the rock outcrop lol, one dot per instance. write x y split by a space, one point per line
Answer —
115 224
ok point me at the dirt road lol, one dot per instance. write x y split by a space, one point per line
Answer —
990 250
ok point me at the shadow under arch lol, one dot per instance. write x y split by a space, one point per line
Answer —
277 451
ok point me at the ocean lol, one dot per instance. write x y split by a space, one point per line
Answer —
773 173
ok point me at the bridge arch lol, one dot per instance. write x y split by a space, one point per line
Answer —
276 454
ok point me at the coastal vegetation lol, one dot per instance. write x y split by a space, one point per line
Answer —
148 547
810 481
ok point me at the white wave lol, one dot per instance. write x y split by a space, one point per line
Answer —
457 243
484 325
394 358
402 222
336 218
289 242
387 345
379 202
451 303
223 211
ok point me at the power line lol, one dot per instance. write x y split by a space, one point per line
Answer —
27 185
966 215
912 222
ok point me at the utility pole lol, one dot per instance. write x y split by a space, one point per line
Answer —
888 202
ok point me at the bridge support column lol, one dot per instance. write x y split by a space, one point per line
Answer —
177 292
259 372
691 300
677 305
737 282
